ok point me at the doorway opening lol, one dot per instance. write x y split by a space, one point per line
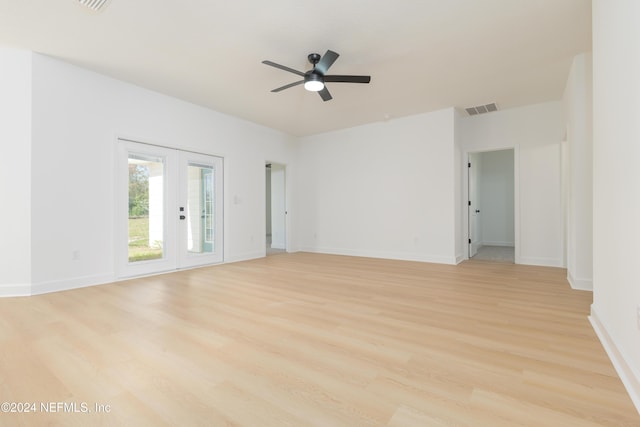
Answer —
491 205
276 211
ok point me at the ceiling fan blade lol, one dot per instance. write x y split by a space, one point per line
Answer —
325 95
347 79
282 67
326 61
288 86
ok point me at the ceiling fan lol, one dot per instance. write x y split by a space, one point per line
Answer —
314 80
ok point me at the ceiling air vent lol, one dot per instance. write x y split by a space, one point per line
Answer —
481 109
95 5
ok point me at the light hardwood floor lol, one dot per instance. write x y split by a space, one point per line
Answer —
315 340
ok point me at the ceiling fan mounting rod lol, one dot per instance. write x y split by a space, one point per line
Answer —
314 58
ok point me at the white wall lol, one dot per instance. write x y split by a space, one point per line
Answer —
383 190
77 115
15 171
541 215
616 184
497 202
577 102
535 131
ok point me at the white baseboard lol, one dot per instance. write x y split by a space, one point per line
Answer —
17 290
507 244
544 262
401 256
86 281
25 290
579 284
244 257
629 377
74 283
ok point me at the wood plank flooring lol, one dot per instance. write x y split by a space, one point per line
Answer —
313 340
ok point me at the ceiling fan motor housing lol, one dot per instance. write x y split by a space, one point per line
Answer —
311 76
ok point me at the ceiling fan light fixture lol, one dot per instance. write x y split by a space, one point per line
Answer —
313 83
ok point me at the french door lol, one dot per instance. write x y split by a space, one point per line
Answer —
169 210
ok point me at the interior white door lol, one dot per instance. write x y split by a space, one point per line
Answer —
169 209
474 204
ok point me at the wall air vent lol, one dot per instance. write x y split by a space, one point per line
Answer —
95 5
481 109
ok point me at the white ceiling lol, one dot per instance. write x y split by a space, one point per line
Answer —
422 55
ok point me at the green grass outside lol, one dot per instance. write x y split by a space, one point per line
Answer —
139 249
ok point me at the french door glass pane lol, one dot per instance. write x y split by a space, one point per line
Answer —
146 207
200 209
